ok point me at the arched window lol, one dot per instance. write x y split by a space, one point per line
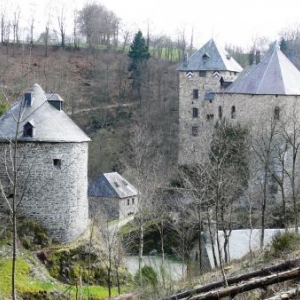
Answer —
276 113
220 112
233 112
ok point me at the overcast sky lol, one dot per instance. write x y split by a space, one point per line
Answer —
235 22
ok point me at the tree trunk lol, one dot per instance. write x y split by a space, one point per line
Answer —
200 247
237 279
141 250
212 240
234 290
263 209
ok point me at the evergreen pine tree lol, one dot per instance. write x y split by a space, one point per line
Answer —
139 55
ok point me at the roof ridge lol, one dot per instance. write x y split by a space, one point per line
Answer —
267 68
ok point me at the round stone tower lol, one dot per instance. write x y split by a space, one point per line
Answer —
51 162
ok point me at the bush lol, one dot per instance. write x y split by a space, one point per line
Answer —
284 242
149 276
3 108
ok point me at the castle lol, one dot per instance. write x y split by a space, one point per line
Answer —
213 87
51 160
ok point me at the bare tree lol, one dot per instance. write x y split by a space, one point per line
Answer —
13 199
290 130
15 26
62 20
98 25
181 43
112 248
146 168
263 145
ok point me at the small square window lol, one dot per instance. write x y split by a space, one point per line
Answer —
195 130
202 73
57 163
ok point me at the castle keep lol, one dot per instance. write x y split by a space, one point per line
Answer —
51 157
200 77
213 87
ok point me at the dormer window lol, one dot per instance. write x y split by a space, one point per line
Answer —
28 129
28 97
55 100
205 56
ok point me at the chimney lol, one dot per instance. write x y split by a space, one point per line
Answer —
28 97
257 57
251 58
185 59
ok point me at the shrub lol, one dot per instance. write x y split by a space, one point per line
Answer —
26 243
149 276
284 242
3 108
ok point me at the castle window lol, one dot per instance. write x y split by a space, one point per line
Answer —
233 112
57 163
28 129
209 117
195 112
128 201
205 56
195 94
220 112
195 130
132 201
202 73
276 113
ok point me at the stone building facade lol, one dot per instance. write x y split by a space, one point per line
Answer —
200 77
113 195
268 89
263 95
51 157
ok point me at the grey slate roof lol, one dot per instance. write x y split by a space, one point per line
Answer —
210 57
111 185
49 123
274 75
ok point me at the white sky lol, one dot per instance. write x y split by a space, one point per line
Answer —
235 22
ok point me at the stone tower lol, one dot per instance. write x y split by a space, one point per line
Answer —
51 157
209 70
264 96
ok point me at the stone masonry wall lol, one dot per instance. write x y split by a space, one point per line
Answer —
191 144
52 185
115 208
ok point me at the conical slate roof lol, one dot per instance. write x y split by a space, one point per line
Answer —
112 185
210 57
274 75
49 123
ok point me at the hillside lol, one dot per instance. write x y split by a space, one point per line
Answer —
96 88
